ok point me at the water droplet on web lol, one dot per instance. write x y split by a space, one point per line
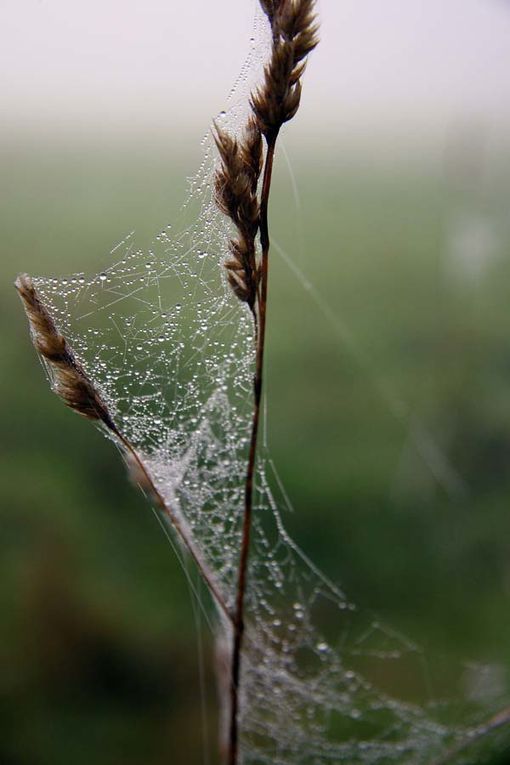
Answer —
173 353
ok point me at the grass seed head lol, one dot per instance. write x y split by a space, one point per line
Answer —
68 379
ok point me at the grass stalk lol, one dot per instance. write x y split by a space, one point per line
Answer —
260 337
294 35
70 382
500 720
242 161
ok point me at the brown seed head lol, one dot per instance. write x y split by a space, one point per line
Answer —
294 28
250 150
68 379
268 8
235 185
295 21
242 271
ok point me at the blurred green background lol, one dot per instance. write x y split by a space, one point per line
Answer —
388 420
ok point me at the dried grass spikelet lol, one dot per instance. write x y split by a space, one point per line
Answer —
68 379
235 185
268 6
294 31
70 382
294 28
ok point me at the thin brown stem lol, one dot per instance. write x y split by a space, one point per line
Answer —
250 472
147 483
71 383
497 721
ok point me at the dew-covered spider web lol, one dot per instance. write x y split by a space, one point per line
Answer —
170 347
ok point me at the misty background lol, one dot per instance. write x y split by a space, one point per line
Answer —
117 66
388 388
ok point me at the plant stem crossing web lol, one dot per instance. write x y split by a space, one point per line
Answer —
248 496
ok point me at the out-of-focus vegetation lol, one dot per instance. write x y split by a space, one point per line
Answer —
98 643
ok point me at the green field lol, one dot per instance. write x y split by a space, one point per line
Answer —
388 389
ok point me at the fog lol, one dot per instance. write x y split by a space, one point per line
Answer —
115 65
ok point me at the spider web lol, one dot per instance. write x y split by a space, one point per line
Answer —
171 350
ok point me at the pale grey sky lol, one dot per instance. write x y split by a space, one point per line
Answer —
110 64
